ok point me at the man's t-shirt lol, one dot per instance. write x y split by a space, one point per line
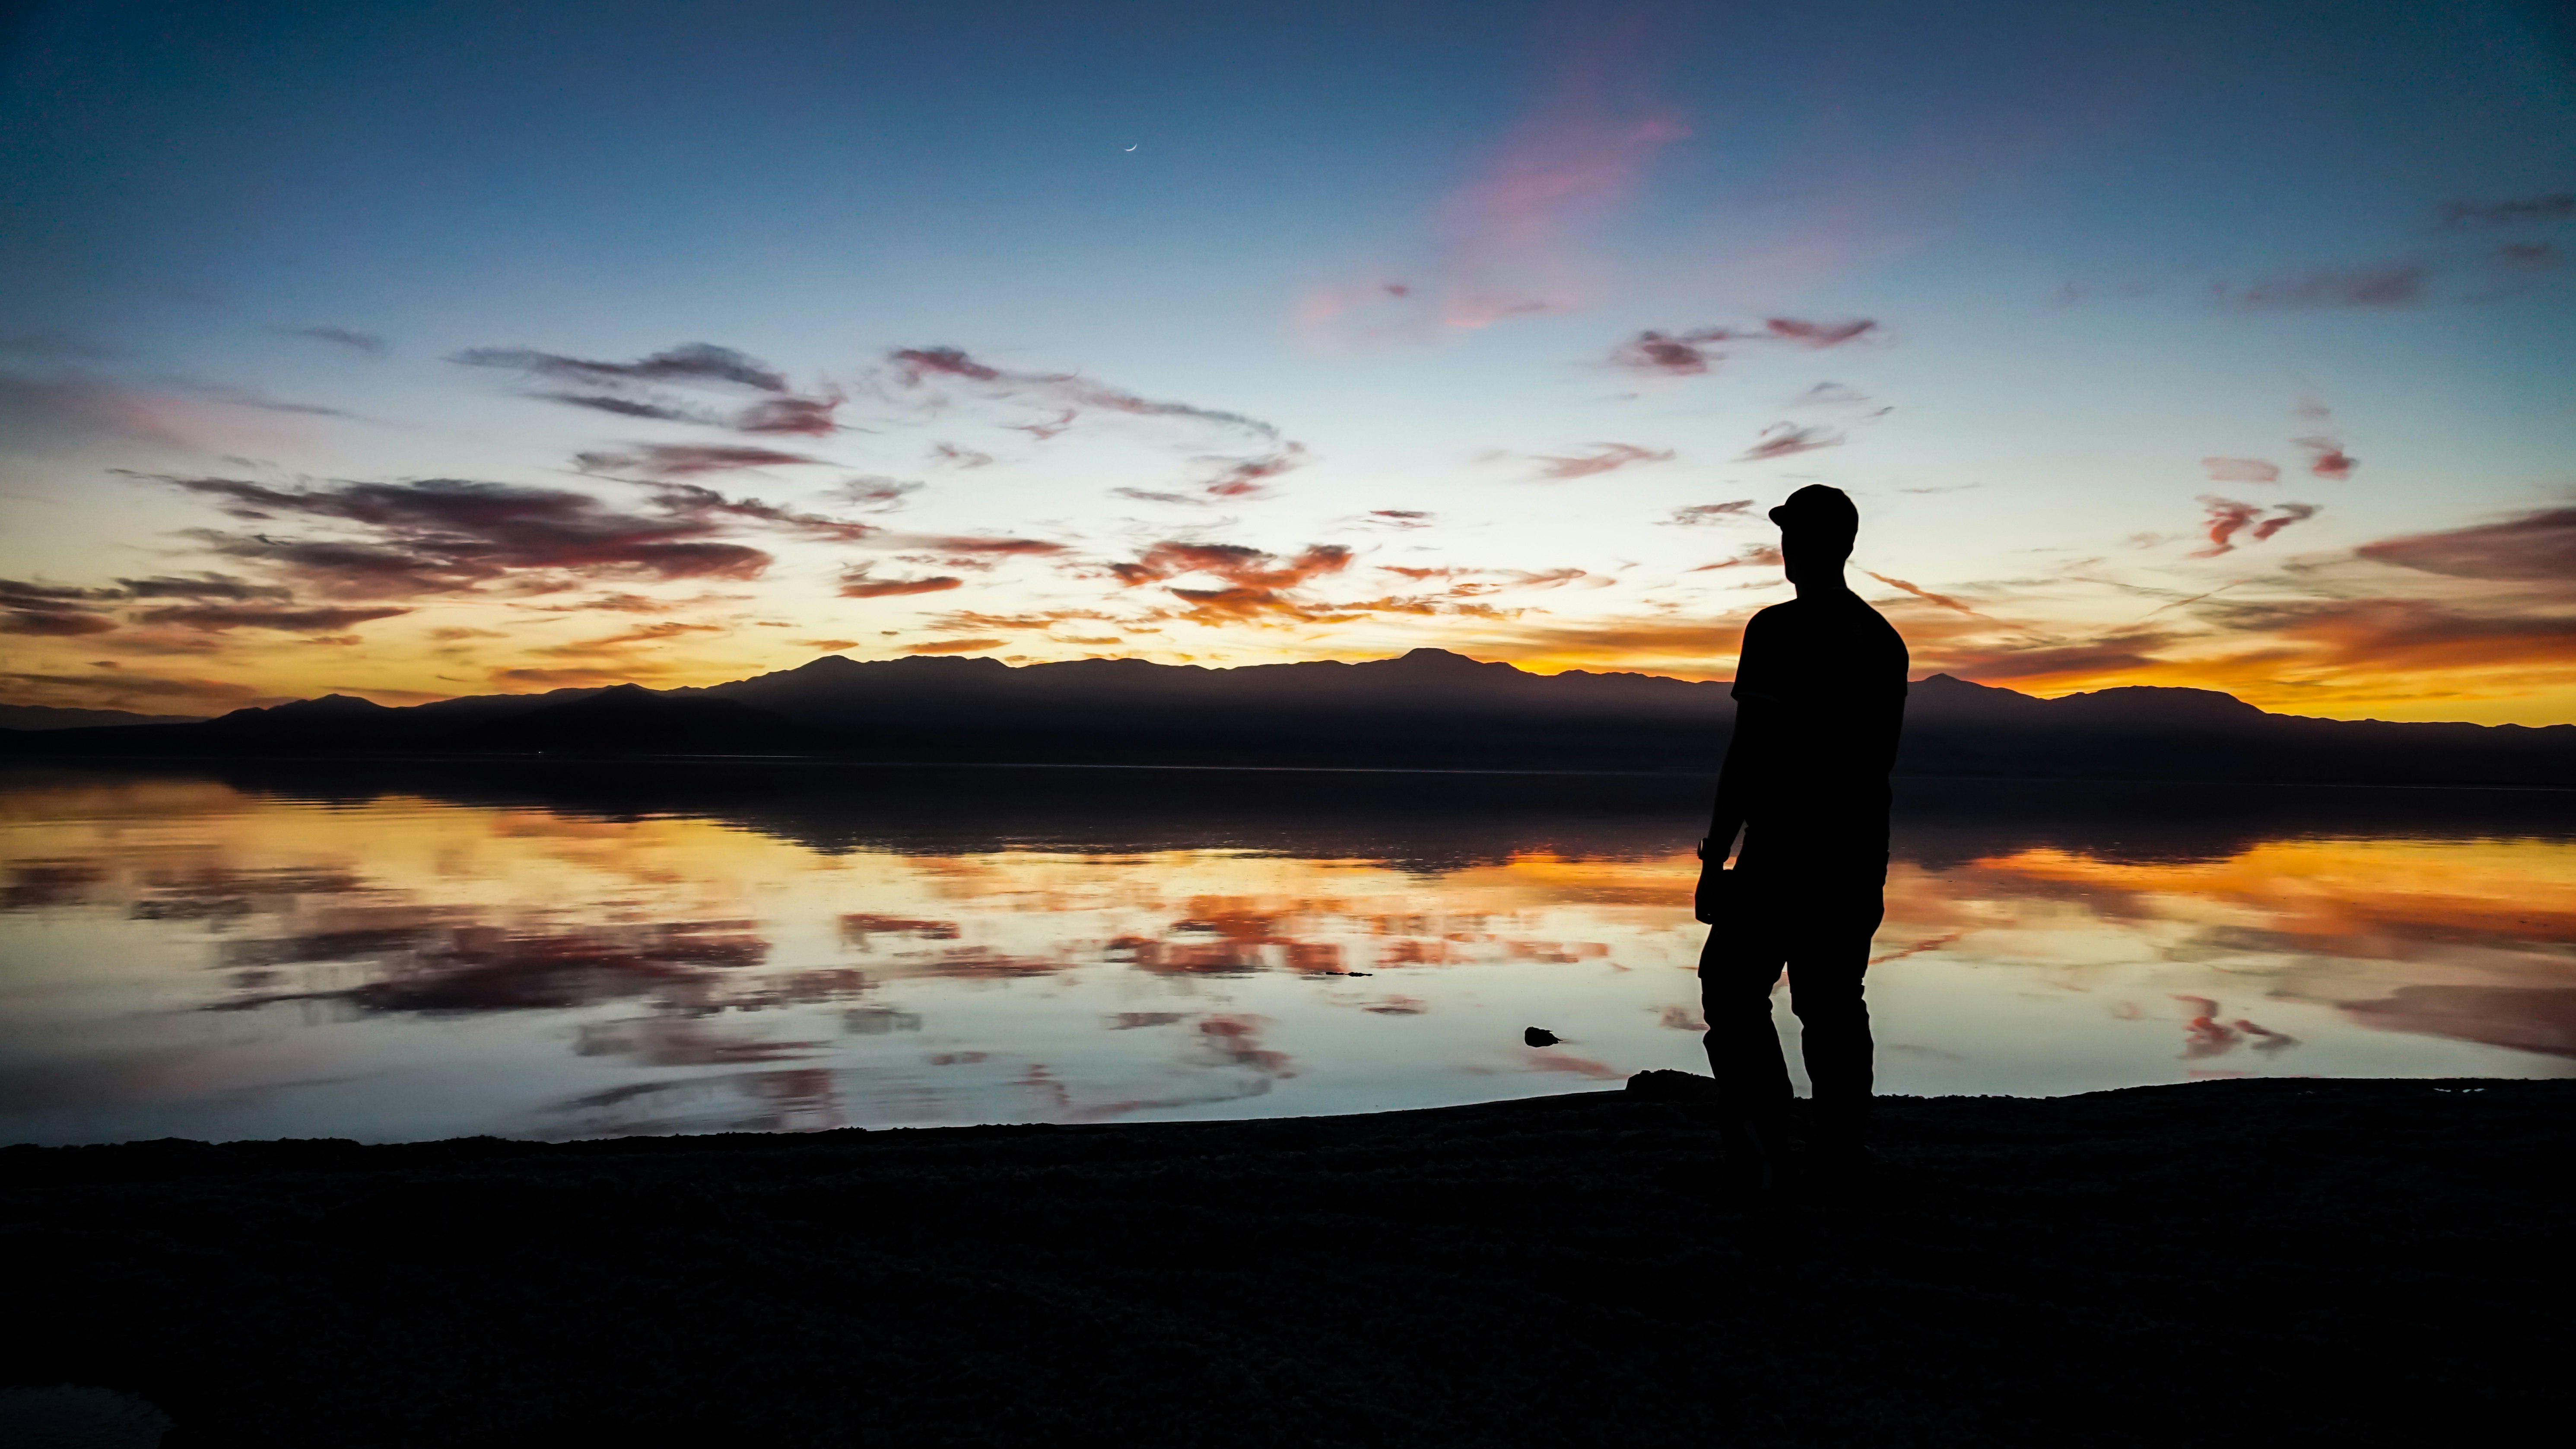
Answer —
1835 672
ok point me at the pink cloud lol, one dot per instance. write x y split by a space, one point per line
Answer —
1926 595
2241 470
687 460
1783 439
2327 459
2227 518
2288 514
1818 334
1605 458
1247 478
1672 354
1692 352
1704 513
1510 240
1512 232
1046 428
855 584
1759 556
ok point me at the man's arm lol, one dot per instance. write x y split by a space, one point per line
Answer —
1746 753
1756 721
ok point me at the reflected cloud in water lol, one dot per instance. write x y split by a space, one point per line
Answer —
388 953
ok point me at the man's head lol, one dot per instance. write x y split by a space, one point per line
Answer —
1817 526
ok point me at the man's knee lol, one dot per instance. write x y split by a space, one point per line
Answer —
1827 997
1736 987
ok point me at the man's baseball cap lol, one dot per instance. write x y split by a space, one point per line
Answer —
1819 509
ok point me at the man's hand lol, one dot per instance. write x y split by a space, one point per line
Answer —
1709 897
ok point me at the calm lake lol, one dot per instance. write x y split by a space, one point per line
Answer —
401 952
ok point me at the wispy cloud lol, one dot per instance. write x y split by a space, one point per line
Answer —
876 495
1759 556
217 618
1402 519
1048 427
2532 548
1510 240
1671 354
448 535
957 545
856 583
1780 440
920 366
1817 334
2520 211
2392 635
63 412
687 460
1069 396
1693 351
619 646
1248 478
137 690
2283 517
2035 663
2528 256
2385 284
2327 459
1700 514
202 586
2228 518
698 363
1604 458
638 389
1918 591
53 610
1256 587
366 344
2241 470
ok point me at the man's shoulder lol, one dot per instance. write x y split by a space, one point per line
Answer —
1785 614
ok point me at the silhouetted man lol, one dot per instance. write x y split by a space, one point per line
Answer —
1820 696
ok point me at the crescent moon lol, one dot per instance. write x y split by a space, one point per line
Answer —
1131 148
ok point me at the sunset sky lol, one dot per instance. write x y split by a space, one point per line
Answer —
414 350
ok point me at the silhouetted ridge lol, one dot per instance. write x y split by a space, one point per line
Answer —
1427 709
630 719
51 717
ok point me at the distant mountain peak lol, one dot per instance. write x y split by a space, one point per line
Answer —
1429 658
328 704
2160 701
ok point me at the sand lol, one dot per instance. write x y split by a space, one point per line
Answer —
2232 1261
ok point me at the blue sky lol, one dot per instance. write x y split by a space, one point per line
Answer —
1412 250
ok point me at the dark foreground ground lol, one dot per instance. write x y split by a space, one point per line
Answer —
2241 1261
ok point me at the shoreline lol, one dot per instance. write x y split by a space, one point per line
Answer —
623 761
2361 1261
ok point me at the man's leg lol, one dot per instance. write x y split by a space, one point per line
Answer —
1827 963
1737 969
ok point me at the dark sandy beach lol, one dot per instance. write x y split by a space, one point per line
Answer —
2233 1261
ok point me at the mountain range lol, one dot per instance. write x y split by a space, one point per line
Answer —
1429 709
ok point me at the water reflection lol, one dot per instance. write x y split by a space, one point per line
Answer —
384 953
